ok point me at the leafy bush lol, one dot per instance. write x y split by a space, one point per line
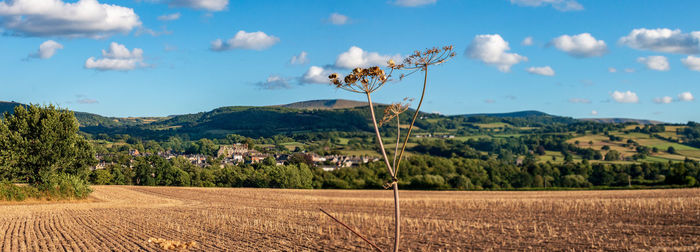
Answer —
10 192
65 186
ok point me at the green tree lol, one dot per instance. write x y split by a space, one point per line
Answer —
612 155
37 142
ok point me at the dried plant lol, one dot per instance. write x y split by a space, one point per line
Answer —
368 80
172 245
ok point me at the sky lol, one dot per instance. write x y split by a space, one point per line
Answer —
578 58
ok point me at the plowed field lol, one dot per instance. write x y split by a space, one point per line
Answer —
124 218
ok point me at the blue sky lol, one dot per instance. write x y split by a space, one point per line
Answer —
634 59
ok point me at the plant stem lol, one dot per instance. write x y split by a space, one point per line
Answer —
398 139
379 137
415 115
397 217
397 212
352 230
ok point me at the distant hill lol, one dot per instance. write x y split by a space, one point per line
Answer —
8 106
325 104
300 117
620 120
526 113
89 119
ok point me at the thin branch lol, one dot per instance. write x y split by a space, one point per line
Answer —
398 139
379 137
352 230
415 115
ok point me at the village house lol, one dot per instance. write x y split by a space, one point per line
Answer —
230 150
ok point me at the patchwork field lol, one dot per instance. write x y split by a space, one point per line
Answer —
124 218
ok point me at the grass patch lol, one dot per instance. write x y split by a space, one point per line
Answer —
58 187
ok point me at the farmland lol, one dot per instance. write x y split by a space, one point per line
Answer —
124 218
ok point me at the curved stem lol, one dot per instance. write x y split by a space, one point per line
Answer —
397 212
398 139
415 115
397 218
379 137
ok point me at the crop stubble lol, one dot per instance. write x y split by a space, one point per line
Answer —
123 218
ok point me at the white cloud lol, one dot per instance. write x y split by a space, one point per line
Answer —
658 63
629 70
612 70
579 100
594 112
492 49
663 40
663 100
527 41
47 49
169 17
245 40
414 3
692 63
144 30
338 19
87 101
84 18
118 57
686 96
274 82
625 97
560 5
581 45
299 59
317 75
545 70
356 57
210 5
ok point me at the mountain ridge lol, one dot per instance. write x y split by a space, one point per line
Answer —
91 119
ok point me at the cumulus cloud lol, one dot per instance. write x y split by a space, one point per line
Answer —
545 70
594 112
682 97
210 5
560 5
414 3
686 96
625 97
527 41
338 19
118 58
658 63
663 40
274 82
46 50
299 59
84 18
612 70
692 63
169 17
663 100
245 40
492 49
356 57
317 75
581 45
579 100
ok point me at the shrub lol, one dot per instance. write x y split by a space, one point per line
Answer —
65 186
10 192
